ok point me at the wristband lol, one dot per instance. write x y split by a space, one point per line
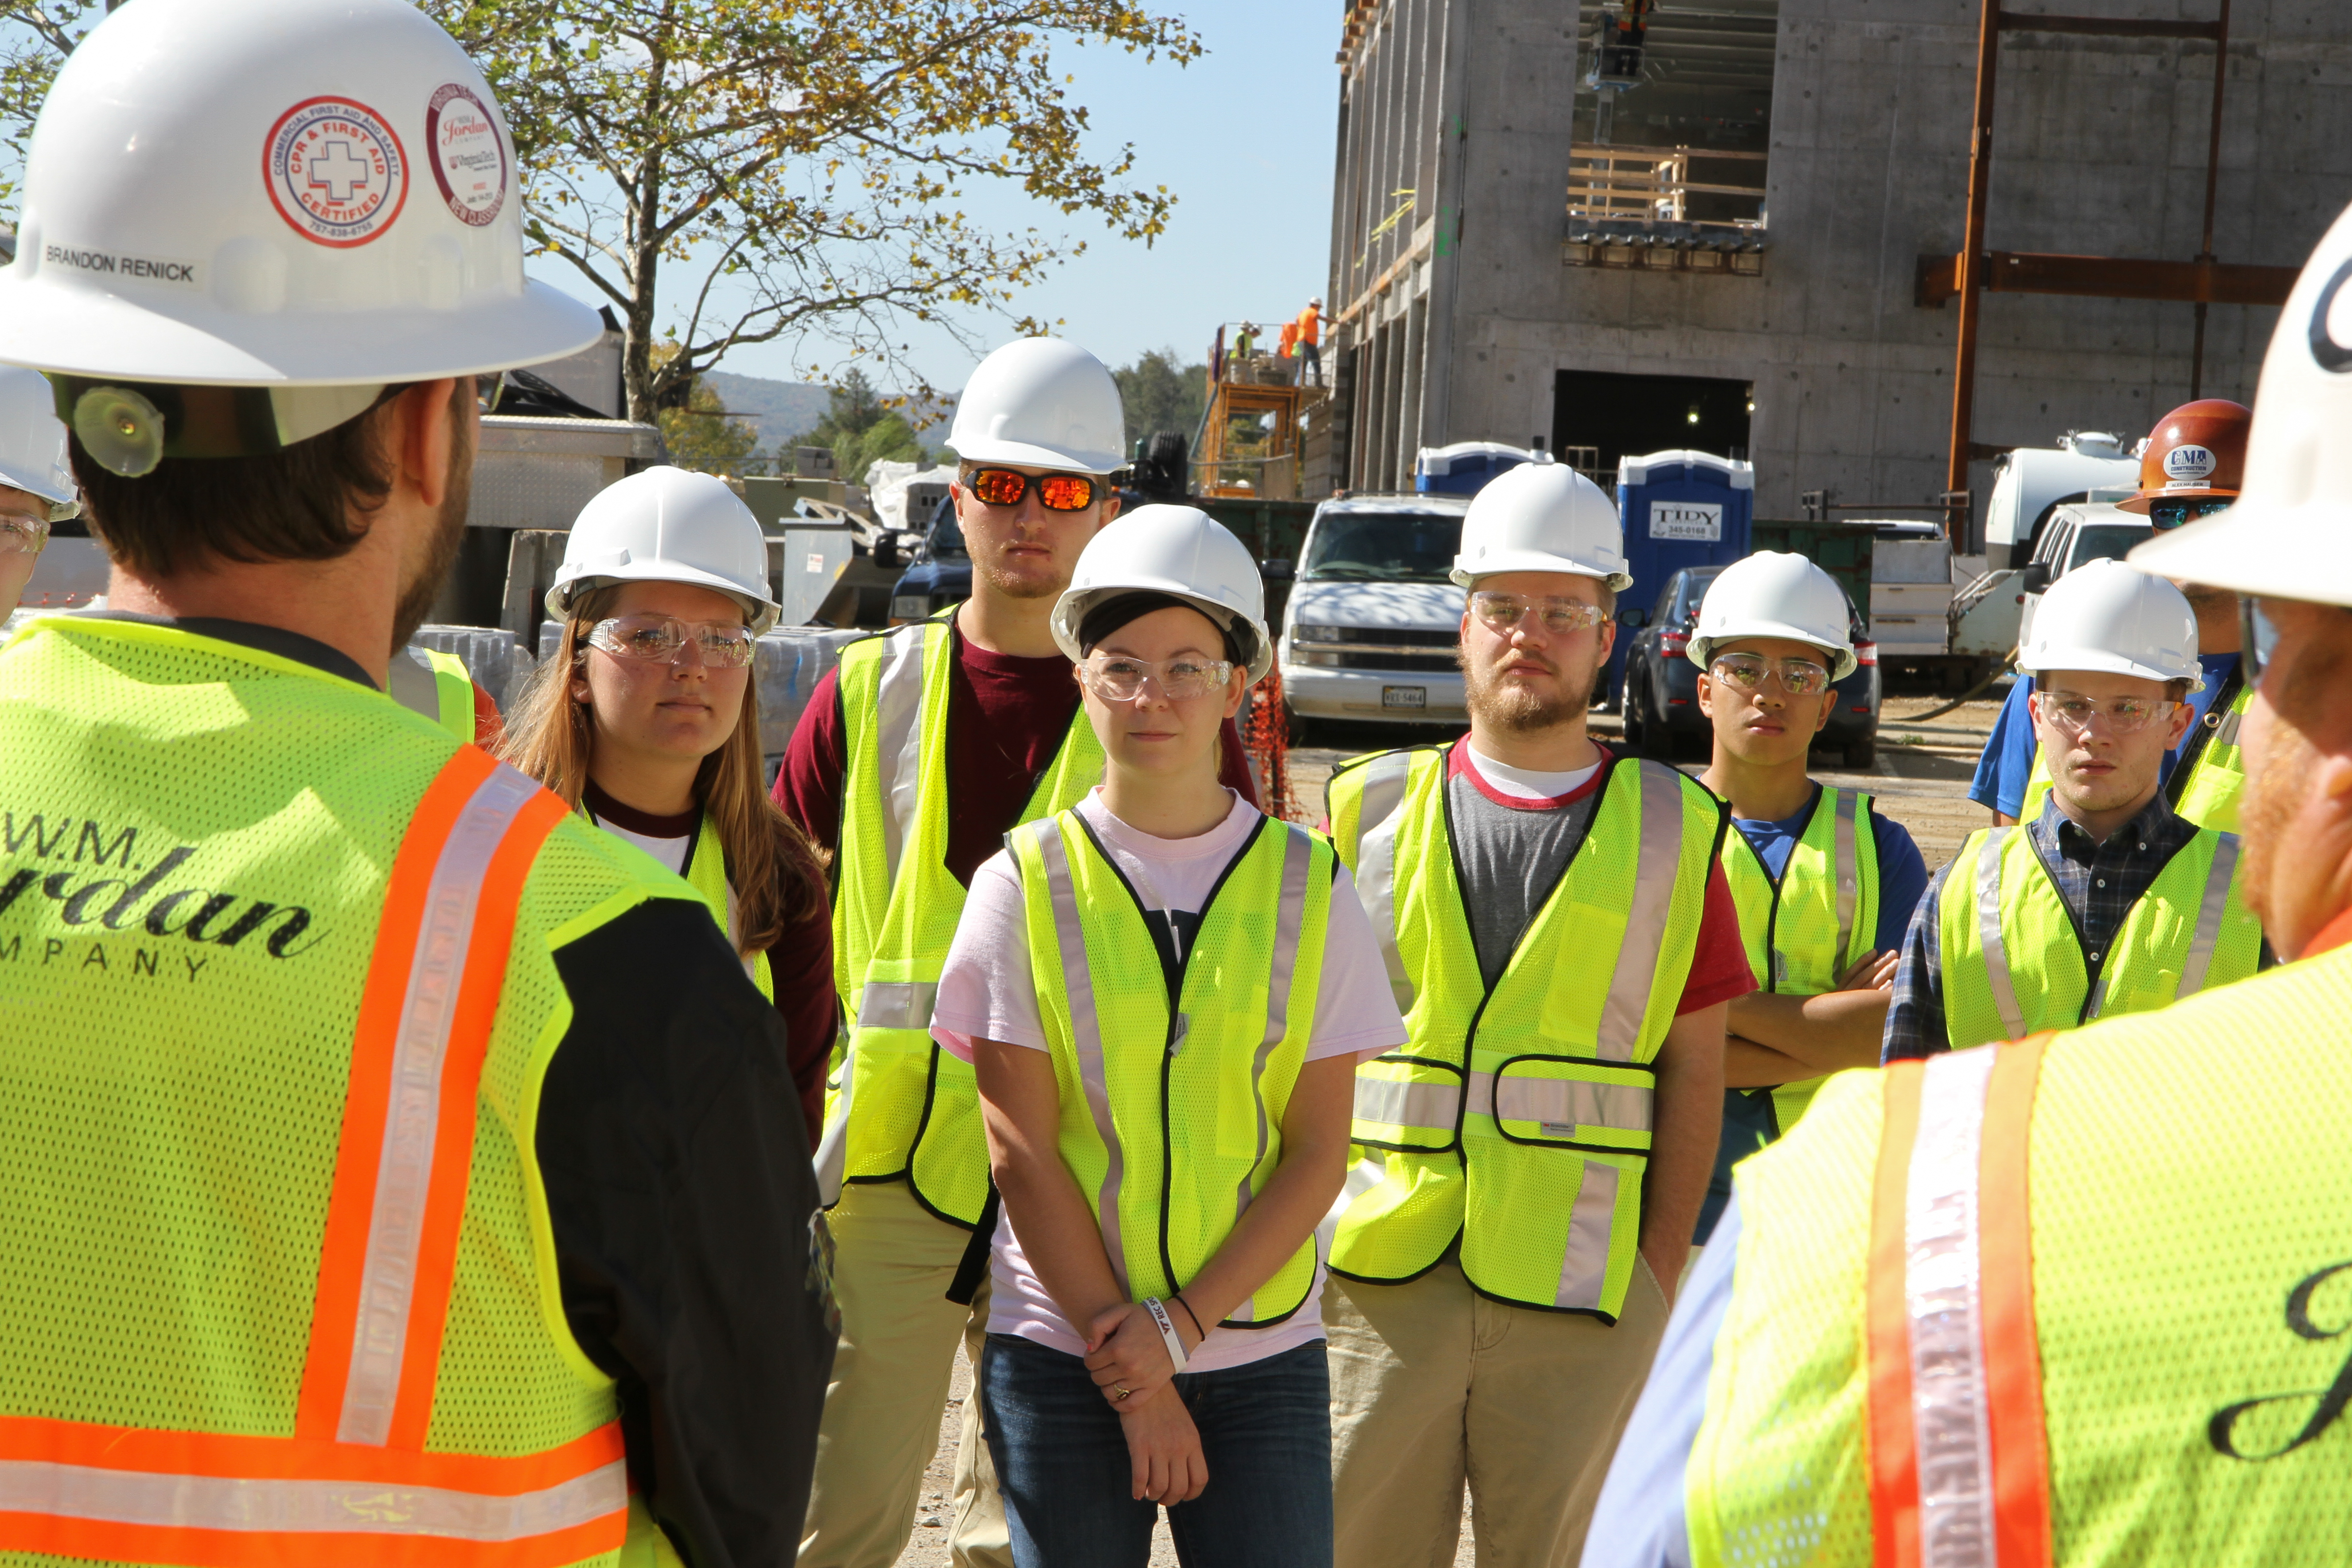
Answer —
1167 1331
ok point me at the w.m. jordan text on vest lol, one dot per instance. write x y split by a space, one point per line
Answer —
136 895
2328 1404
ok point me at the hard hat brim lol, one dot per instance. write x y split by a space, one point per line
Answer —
72 330
1701 651
759 613
2272 552
1025 454
2137 505
2104 661
1501 562
18 479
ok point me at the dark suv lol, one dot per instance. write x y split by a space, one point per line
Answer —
1660 705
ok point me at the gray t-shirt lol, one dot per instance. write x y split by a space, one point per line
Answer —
1509 857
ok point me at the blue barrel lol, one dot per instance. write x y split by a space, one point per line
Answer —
1680 509
1464 467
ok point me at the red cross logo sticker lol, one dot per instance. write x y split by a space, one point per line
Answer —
336 171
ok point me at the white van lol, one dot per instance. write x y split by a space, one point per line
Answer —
1372 622
2076 533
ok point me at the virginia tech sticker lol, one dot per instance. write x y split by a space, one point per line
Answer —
335 171
470 163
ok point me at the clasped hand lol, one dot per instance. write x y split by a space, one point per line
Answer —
1125 1352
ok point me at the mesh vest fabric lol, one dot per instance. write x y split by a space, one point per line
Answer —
1171 1123
2206 783
2182 1325
898 1105
194 844
2190 931
1518 1120
1808 927
706 872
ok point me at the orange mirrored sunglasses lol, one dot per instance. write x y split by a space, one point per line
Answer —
1056 492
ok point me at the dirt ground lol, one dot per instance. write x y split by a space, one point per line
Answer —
1920 780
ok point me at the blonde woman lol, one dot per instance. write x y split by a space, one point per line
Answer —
646 720
1164 993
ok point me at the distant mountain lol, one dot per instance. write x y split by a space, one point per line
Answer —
779 410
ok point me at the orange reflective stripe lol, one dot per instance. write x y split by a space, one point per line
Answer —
342 1250
1893 1458
2021 1459
86 1444
1958 1456
188 1546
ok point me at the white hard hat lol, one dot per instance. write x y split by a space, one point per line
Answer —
276 193
1041 403
2290 533
1774 595
2105 615
32 437
667 525
1542 517
1180 550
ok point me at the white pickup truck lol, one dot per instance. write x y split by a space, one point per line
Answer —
1372 622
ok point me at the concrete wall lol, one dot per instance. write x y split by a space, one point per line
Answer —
2099 148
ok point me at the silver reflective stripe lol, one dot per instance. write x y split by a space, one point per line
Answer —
411 684
1940 1290
897 1004
1085 1029
1429 1106
2216 904
2225 734
1562 1101
1996 955
340 1507
898 742
413 1112
1848 888
1376 835
1655 875
1585 1264
832 1158
1290 917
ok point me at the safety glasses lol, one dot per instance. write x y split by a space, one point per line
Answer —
2257 636
1115 678
1747 672
1056 492
661 639
1502 613
2165 514
21 534
2072 712
489 390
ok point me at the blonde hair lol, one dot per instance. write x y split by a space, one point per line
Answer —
776 872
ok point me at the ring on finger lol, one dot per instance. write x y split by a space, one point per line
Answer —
1120 1392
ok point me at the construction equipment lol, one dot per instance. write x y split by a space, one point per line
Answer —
1248 443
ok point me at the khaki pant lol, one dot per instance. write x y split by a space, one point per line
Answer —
1433 1386
891 1266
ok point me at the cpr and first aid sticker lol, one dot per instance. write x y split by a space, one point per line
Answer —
335 170
2185 462
470 162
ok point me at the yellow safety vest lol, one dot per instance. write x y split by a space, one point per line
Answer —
2205 783
1172 1117
705 873
1816 921
276 963
2013 962
2079 1301
1517 1120
436 684
898 1106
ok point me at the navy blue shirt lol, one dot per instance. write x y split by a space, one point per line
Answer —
2008 760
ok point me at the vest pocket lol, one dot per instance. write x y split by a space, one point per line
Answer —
1569 1102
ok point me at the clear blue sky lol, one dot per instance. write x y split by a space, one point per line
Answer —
1242 136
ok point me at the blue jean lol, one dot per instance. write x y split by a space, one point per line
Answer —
1061 1460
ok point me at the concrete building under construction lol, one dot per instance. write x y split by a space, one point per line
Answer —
1733 225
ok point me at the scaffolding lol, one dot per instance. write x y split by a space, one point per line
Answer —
1259 393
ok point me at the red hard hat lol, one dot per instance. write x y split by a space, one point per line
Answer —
2198 450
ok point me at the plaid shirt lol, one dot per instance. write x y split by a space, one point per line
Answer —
2099 883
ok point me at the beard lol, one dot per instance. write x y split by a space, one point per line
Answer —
2267 810
416 595
1013 585
1522 709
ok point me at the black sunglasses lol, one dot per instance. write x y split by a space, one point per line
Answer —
2166 514
2257 638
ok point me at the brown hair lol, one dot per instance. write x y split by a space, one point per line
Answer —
310 502
777 874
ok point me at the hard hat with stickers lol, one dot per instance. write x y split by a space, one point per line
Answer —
2195 460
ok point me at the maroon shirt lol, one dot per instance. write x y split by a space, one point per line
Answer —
1006 719
799 966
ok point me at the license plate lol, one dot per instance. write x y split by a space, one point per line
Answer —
1404 696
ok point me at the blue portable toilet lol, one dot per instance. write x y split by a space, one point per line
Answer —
1464 467
1679 509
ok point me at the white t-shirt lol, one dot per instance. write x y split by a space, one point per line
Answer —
1520 784
987 992
672 854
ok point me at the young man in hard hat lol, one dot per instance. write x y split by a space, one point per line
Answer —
2191 469
2071 1300
36 488
1564 946
911 764
360 1204
1824 884
2108 901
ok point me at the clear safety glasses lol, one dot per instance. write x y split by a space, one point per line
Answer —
21 534
661 639
1502 613
1747 672
2072 712
1117 679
